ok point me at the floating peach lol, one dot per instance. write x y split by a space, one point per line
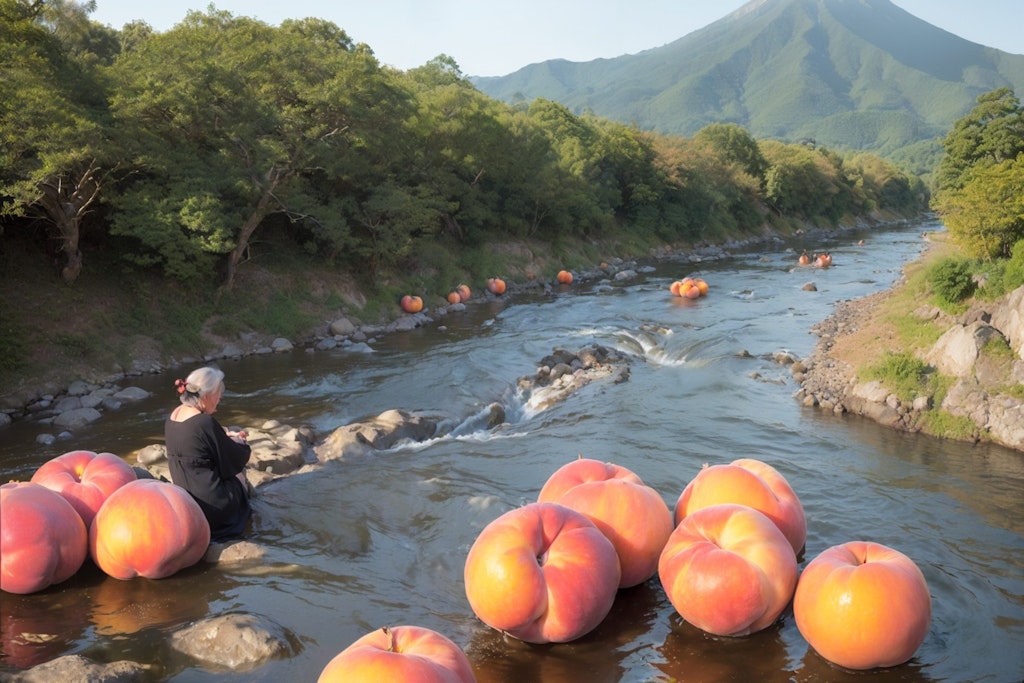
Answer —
148 528
542 573
728 570
863 605
629 513
412 654
85 479
748 482
43 540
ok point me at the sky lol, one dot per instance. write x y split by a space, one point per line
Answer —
497 37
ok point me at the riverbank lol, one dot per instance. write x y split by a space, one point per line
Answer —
977 358
854 337
97 340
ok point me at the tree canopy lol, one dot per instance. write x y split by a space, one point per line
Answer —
980 196
186 151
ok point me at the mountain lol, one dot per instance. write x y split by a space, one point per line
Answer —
849 74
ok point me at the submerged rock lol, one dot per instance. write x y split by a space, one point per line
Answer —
78 668
234 642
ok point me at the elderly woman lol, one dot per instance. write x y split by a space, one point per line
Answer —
204 458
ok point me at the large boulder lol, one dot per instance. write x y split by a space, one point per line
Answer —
958 349
278 449
382 432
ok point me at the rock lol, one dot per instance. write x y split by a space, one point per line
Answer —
80 388
810 287
342 327
152 454
132 394
404 324
377 433
922 403
967 399
1008 318
92 400
234 552
874 392
277 449
495 415
360 347
69 403
564 372
75 668
235 643
784 358
927 312
956 351
111 403
281 345
77 418
1006 421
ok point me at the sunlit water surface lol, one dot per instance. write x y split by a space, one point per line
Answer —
381 540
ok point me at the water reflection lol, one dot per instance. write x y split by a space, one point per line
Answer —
688 654
36 628
122 608
603 656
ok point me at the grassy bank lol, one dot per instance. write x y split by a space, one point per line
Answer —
906 324
112 321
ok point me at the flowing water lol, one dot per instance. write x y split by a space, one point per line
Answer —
381 540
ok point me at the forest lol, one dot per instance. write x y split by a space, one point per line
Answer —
180 159
176 150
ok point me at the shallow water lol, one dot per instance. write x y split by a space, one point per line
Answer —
381 540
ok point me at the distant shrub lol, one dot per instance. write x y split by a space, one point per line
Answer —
951 280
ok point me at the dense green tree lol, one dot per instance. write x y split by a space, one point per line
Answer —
232 120
55 155
981 177
985 215
735 144
705 195
991 133
229 131
801 181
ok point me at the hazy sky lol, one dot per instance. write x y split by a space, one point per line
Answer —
497 37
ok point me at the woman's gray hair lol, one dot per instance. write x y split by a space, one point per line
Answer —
199 383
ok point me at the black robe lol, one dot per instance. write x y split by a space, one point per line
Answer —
204 460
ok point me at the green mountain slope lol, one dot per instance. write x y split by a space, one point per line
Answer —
850 74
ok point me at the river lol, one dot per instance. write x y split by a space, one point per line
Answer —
381 540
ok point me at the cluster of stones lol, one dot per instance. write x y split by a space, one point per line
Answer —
82 404
980 381
564 372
